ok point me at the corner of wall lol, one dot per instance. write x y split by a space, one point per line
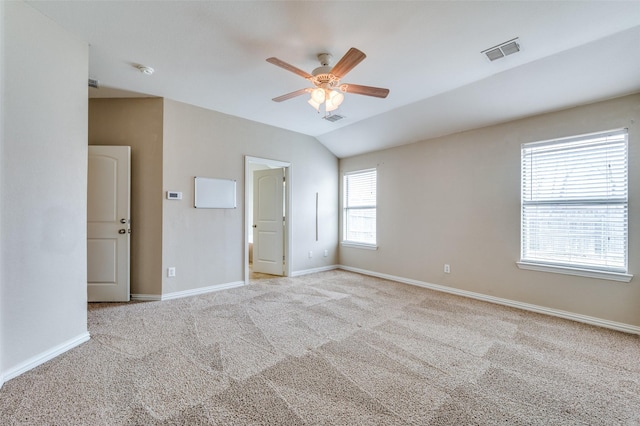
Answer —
208 246
43 252
2 100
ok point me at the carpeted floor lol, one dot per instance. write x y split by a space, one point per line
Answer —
331 348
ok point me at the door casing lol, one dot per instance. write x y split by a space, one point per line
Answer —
287 202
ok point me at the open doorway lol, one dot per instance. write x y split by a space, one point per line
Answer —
272 249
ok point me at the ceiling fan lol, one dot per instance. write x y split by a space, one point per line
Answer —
327 88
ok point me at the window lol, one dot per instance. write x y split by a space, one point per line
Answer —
574 204
359 221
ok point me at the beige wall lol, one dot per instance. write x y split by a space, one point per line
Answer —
43 306
173 142
206 246
456 200
137 123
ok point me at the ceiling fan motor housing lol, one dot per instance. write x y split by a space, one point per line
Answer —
325 80
323 77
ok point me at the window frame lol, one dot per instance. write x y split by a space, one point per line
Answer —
346 208
562 266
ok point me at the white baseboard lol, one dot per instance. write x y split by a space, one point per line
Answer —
43 357
314 270
184 293
627 328
201 290
146 297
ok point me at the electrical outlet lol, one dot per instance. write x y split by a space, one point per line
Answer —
310 254
447 268
171 272
326 253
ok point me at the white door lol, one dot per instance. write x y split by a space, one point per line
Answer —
108 213
268 221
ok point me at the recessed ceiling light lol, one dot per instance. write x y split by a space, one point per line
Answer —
145 70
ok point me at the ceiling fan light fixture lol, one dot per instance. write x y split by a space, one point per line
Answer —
314 104
330 106
336 98
318 95
326 79
330 98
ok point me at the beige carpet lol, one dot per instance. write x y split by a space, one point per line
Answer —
331 348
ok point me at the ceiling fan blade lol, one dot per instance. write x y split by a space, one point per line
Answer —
289 67
357 89
352 58
291 95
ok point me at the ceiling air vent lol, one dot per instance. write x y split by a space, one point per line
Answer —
500 51
333 117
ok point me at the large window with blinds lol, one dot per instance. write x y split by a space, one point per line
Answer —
574 202
359 205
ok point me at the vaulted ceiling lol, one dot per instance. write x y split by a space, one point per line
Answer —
212 54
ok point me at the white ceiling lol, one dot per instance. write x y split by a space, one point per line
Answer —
212 54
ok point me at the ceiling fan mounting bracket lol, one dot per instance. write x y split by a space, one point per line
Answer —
325 59
324 68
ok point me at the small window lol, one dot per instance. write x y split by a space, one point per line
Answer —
360 207
574 202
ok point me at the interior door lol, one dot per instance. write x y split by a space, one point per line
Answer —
268 218
108 229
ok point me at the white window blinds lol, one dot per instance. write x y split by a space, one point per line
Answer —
360 207
574 202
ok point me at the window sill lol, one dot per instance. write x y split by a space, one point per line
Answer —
359 245
589 273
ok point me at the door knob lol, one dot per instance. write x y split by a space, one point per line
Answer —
122 231
123 220
255 226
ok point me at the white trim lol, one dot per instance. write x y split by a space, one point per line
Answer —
589 273
358 171
288 239
344 209
359 245
185 293
314 270
201 290
612 132
267 161
626 328
563 151
146 297
45 356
